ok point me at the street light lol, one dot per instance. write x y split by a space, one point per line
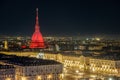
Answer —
77 71
39 78
23 78
49 76
8 79
110 79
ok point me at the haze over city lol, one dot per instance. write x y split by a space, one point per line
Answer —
60 17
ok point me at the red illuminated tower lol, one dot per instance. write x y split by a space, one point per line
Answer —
37 39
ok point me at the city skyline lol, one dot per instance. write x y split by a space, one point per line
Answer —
60 17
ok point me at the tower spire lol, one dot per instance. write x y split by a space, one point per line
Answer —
37 21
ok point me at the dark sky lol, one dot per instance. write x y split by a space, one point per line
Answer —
60 17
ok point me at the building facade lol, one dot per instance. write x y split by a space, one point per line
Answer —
7 72
87 63
45 72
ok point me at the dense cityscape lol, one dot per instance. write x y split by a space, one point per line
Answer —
92 58
61 57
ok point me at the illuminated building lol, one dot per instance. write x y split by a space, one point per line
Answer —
95 47
5 45
7 72
107 64
74 61
33 69
37 39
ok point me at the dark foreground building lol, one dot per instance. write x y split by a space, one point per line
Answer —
32 68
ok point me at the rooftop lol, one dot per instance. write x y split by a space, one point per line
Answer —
109 56
25 61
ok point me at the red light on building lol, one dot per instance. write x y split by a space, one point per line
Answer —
37 39
23 47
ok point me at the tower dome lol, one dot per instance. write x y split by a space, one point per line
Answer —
37 39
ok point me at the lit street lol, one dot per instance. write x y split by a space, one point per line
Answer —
71 75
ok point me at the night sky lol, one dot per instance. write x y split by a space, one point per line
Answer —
60 17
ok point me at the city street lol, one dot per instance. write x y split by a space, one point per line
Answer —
77 75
